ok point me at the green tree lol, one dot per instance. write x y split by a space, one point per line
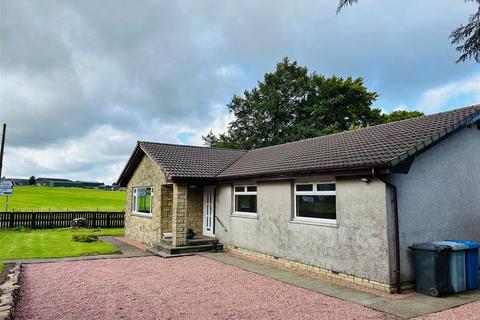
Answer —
466 38
292 104
400 115
31 181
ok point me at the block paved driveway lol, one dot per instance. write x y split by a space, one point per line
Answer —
181 288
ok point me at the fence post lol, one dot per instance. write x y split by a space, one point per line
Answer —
34 219
11 219
50 220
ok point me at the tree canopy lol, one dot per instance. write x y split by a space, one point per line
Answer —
292 104
466 38
400 115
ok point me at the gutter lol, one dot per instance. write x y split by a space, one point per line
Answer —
397 229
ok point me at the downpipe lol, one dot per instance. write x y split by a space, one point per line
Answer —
397 228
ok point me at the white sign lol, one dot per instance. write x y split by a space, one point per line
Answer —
6 184
6 192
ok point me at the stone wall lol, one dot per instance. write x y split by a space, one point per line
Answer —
173 204
166 210
179 216
142 228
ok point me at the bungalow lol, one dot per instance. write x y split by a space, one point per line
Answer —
345 206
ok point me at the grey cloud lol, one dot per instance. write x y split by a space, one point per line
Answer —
151 68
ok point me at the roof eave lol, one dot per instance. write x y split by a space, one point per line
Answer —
129 167
344 172
434 139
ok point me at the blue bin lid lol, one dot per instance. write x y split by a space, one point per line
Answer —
452 244
468 243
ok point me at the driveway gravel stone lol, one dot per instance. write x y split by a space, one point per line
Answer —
469 311
180 288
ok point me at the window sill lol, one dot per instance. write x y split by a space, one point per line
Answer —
141 214
332 224
245 215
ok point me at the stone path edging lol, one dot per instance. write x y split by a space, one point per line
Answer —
408 307
9 292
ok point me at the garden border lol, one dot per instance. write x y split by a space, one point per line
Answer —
9 292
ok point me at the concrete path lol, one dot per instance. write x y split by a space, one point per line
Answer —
127 251
408 307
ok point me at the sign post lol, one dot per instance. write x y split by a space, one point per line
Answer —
6 189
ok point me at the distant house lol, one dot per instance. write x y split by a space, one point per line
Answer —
345 205
66 183
17 181
45 181
90 184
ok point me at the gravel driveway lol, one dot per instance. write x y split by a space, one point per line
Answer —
180 288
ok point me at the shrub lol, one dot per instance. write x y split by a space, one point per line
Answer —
82 237
79 223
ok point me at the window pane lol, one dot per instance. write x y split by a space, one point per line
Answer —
144 196
304 187
252 188
239 189
246 203
322 207
326 187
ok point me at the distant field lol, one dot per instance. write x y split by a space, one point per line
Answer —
27 198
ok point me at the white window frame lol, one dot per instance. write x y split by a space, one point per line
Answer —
240 193
314 192
135 202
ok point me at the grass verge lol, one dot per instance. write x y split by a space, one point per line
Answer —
52 243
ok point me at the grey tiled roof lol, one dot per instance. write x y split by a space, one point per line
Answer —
183 161
377 146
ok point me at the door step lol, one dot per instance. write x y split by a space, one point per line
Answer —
203 245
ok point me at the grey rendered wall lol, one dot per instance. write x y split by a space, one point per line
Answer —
440 197
358 246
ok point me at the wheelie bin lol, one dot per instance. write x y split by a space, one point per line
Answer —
471 263
456 265
431 268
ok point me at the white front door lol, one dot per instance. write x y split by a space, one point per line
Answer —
208 211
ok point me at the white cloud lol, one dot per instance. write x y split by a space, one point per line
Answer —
99 155
435 99
79 84
229 71
400 107
219 124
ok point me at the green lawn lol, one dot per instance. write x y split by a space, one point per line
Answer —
27 198
52 243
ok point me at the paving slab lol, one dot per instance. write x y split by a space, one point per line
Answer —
408 307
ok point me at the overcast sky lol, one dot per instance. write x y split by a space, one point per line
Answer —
81 81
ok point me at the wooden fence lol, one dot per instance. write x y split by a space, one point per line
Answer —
60 219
